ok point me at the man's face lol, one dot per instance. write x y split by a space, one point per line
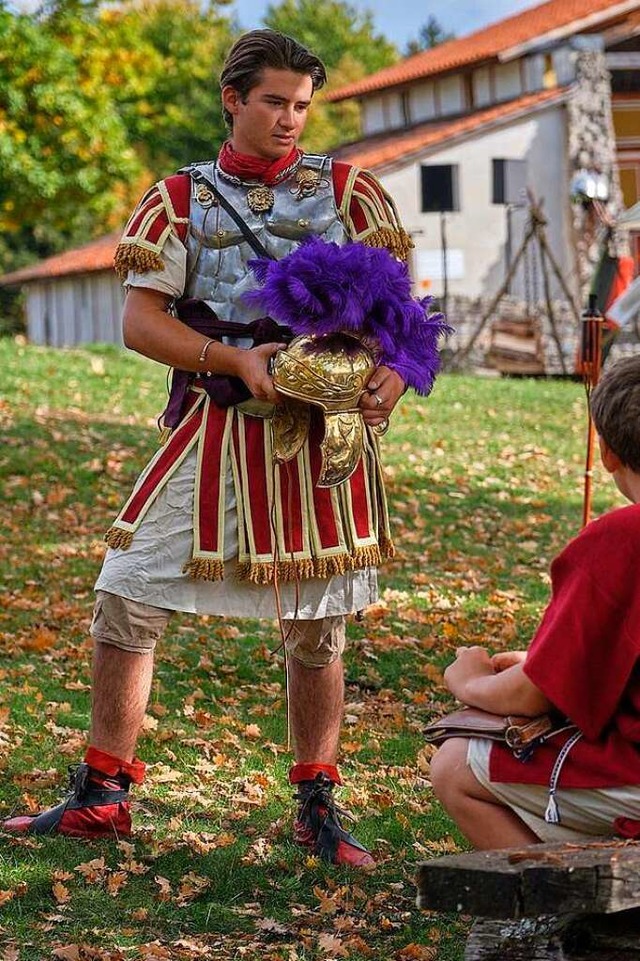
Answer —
271 120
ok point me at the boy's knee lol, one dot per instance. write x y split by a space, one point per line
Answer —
126 624
448 767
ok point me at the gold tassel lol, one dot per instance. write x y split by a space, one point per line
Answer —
204 569
387 548
397 242
117 538
165 434
133 257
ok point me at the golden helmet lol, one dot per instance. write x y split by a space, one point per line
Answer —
331 372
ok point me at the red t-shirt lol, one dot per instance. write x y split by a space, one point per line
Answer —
585 658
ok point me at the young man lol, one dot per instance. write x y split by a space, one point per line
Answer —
196 534
584 663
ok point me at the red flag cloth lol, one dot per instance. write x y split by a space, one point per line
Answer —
585 659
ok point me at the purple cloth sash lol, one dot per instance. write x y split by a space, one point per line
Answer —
223 390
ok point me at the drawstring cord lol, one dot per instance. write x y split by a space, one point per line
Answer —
552 813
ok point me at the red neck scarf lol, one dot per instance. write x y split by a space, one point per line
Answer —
254 168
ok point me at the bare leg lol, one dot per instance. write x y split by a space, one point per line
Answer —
120 693
316 699
482 818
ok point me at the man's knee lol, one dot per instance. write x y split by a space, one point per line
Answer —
317 643
128 625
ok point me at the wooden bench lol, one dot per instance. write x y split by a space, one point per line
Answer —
547 902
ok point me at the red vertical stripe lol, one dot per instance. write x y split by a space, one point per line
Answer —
208 516
257 477
291 507
174 448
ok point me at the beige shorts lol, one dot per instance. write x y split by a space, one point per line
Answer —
136 627
584 812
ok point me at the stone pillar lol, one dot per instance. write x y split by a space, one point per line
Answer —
592 148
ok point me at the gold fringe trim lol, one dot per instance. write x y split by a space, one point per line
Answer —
133 257
397 242
117 538
165 434
387 548
204 569
262 572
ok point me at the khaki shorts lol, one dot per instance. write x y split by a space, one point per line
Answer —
584 812
136 627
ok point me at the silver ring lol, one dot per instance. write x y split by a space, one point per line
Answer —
379 400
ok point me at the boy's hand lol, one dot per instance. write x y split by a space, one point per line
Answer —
470 663
506 659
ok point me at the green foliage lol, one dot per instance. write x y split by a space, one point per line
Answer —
63 146
98 100
430 35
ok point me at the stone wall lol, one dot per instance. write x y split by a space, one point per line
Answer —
591 147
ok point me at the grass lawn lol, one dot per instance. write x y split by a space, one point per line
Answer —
485 484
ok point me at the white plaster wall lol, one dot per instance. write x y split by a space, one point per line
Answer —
423 105
478 230
481 87
451 95
534 73
508 83
564 60
393 111
372 116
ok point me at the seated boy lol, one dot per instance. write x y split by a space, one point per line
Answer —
584 663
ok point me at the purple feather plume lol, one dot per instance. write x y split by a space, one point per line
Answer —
322 288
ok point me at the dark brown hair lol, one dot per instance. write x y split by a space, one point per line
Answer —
253 51
615 408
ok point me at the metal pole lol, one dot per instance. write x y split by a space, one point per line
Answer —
445 273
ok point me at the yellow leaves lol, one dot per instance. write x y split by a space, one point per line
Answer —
190 887
252 731
333 946
417 952
115 882
92 871
60 893
18 891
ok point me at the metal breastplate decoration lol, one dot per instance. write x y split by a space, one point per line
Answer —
301 205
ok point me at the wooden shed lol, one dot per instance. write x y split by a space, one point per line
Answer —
74 297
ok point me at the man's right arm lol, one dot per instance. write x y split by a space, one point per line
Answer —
149 329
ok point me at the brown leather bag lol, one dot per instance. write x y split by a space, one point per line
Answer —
517 732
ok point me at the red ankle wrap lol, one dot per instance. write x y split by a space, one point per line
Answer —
308 771
111 765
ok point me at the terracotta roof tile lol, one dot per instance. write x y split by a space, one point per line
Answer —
485 44
97 255
387 149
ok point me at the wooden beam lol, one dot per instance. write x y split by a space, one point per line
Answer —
544 879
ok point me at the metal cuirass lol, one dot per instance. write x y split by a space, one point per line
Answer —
218 255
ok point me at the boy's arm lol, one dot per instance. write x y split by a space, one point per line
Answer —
473 679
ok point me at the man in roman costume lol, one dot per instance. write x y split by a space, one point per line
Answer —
212 522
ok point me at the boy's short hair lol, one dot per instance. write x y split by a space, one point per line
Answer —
615 408
253 51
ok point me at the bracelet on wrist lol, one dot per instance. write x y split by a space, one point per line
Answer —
203 353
